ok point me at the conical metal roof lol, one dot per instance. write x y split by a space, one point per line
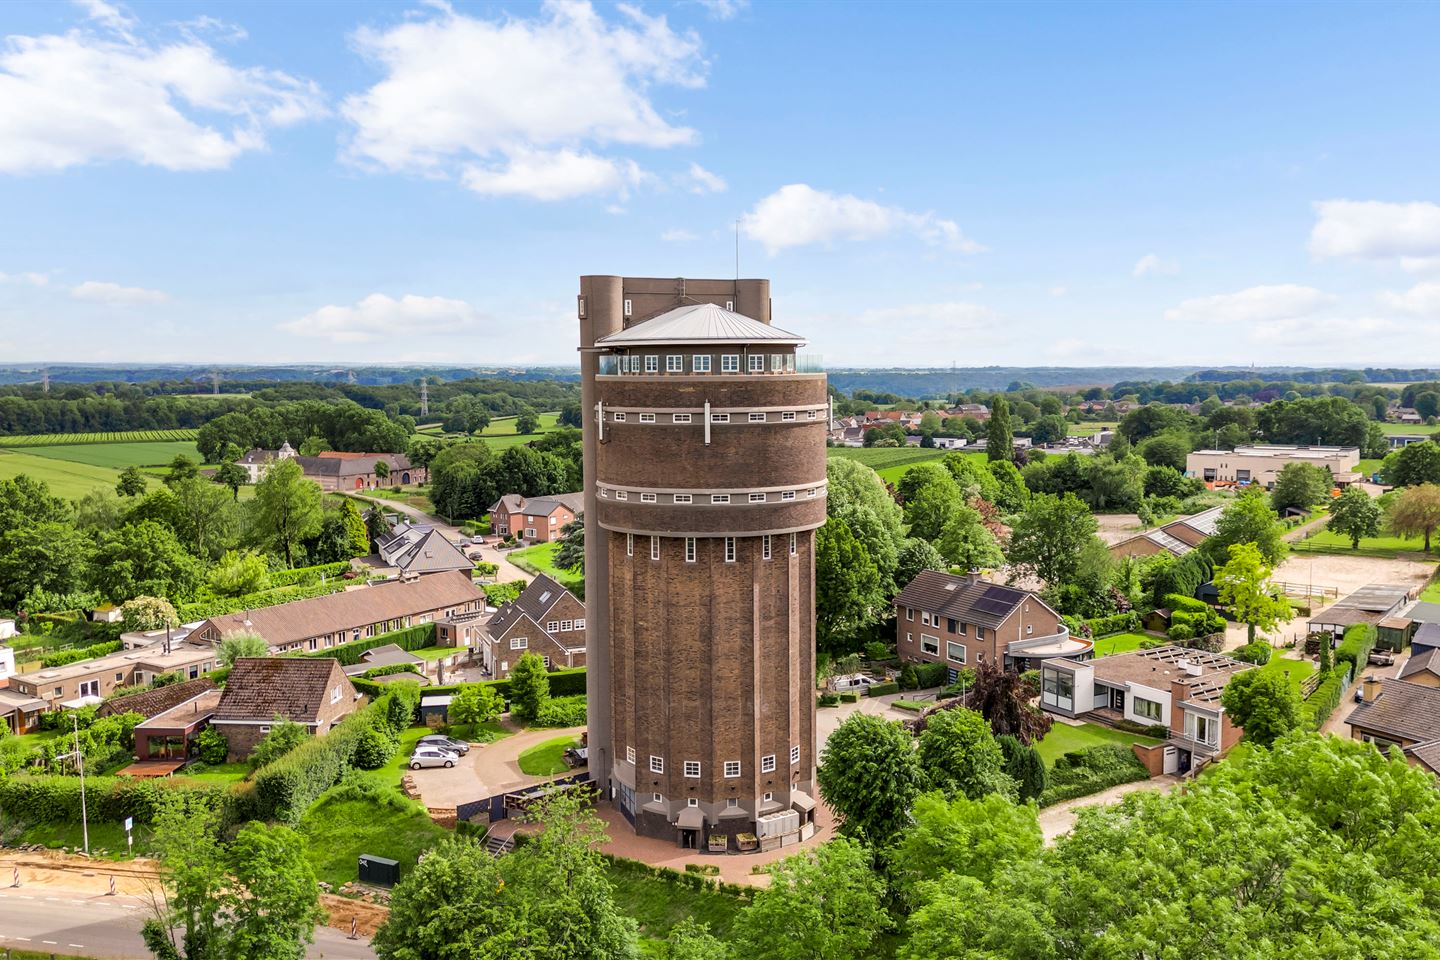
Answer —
699 323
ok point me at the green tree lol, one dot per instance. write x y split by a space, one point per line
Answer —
928 506
1011 494
570 555
46 556
821 904
382 469
972 472
1051 428
849 589
1025 766
1244 585
1049 537
1263 702
1413 464
1415 512
691 940
1355 514
424 450
182 468
236 574
357 534
527 422
233 476
959 755
204 520
972 838
1247 519
1167 449
868 775
131 482
24 501
148 613
1299 485
966 542
242 643
917 555
313 446
143 558
856 495
529 687
284 736
286 509
474 704
999 437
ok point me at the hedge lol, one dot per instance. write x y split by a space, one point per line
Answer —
1257 652
205 609
569 682
828 700
1176 602
562 712
1355 648
1115 623
880 689
64 657
406 638
308 575
56 798
1320 704
1083 772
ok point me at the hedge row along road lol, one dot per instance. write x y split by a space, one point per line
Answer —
121 436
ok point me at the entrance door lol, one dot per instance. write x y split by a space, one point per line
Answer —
1117 700
687 839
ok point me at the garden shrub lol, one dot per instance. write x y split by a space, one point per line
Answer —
929 675
1355 648
1115 623
562 712
908 678
563 683
849 696
304 576
374 749
1083 772
1180 632
828 700
878 650
880 689
64 657
406 638
205 609
53 799
1258 653
212 747
1327 696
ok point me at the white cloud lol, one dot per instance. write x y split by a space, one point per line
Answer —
1420 264
95 95
1374 230
379 316
723 9
678 236
523 101
701 180
1152 265
99 291
1255 305
31 278
798 215
1421 300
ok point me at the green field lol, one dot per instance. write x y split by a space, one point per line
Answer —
337 831
1120 643
1089 429
66 478
1298 670
548 758
123 436
121 455
1421 429
541 559
1327 541
1063 739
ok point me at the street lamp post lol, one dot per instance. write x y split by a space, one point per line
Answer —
80 764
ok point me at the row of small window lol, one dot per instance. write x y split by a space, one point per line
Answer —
560 626
786 416
700 363
731 768
951 624
765 549
715 498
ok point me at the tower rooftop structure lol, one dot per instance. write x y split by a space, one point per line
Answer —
697 324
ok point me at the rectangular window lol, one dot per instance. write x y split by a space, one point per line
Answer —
680 418
647 498
553 626
657 765
757 498
813 491
700 363
1148 709
769 796
567 625
619 418
689 549
674 363
627 308
692 769
757 418
622 494
788 415
767 763
777 363
757 363
657 798
789 363
1057 689
792 545
787 495
963 627
630 754
629 544
647 418
732 768
955 652
950 624
795 755
579 624
684 498
765 546
732 803
810 414
720 498
692 802
719 418
910 614
929 644
654 548
652 363
519 643
924 619
729 549
730 363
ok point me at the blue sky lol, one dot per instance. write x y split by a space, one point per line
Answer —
924 184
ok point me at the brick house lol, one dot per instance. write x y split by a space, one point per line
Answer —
419 548
1172 687
1178 537
1400 713
90 681
959 621
323 622
546 619
536 520
313 692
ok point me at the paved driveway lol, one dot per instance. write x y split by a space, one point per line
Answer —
486 770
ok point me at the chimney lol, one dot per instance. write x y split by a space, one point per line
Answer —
1370 689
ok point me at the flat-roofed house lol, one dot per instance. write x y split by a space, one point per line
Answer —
311 691
1261 463
1177 537
323 622
88 682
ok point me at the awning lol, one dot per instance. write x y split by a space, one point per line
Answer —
691 818
801 800
80 703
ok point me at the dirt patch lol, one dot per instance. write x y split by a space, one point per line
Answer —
339 910
62 871
1115 527
1350 573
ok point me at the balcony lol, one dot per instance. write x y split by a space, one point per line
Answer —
611 365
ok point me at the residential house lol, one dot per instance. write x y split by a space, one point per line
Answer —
20 712
1177 537
311 691
1400 713
1426 637
392 655
335 470
257 461
87 682
7 664
155 701
170 734
417 548
1172 687
546 619
1406 415
959 621
1398 440
1422 668
536 520
1261 463
975 411
8 629
323 622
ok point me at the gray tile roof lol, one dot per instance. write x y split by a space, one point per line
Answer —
420 548
699 323
1426 661
296 688
534 602
150 703
979 602
1403 711
1427 754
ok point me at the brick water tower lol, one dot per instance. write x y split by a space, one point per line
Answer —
704 485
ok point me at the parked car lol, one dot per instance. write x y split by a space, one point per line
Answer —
1382 659
432 757
444 743
853 681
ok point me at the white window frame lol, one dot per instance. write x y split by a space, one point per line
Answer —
787 495
680 418
692 769
629 544
647 418
767 763
530 531
700 363
810 414
657 797
950 647
729 363
924 618
647 498
757 363
619 416
552 626
579 624
789 363
692 802
814 491
794 549
674 363
765 546
719 498
795 755
787 415
689 549
910 614
757 418
652 363
732 769
627 308
729 549
567 625
519 643
777 363
732 803
622 494
719 418
657 764
684 498
630 755
654 547
757 498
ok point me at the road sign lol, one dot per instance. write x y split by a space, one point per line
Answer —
129 823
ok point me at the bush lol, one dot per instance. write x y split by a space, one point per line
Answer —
880 689
908 679
1327 696
1116 623
212 747
1180 632
205 609
828 700
64 657
304 576
1355 647
1258 653
284 736
52 799
849 696
1083 772
374 750
561 712
929 675
1178 602
498 594
563 683
877 650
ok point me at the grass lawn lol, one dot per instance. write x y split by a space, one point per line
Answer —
659 906
541 559
220 773
1120 643
912 705
548 758
107 840
1297 669
1088 429
66 478
1327 541
435 653
487 732
1368 467
1422 429
1431 594
121 455
30 740
1063 739
338 831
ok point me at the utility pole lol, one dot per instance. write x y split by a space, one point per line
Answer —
80 765
45 379
424 397
215 382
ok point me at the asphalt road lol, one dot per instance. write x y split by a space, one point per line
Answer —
77 925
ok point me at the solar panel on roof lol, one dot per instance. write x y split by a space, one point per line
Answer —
997 600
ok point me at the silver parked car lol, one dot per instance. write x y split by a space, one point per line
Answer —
444 743
431 757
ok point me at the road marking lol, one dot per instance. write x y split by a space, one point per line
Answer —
51 943
78 946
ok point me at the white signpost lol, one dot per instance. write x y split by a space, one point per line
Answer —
129 840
